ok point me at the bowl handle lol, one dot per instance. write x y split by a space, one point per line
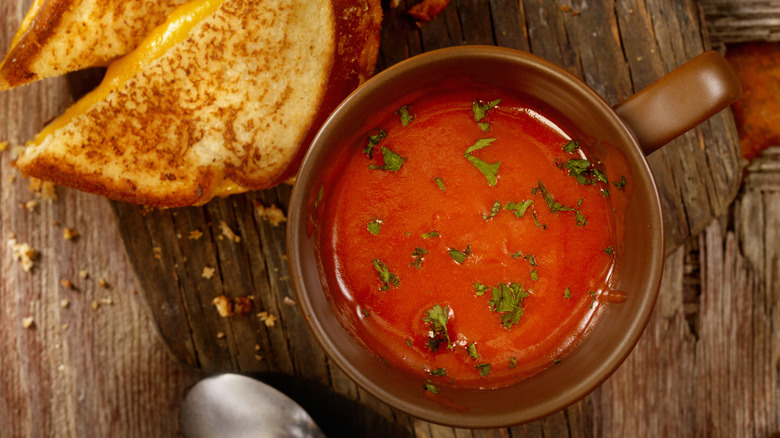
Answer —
680 100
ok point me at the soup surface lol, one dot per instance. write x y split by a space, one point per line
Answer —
468 238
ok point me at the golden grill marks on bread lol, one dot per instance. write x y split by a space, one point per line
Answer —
60 36
225 110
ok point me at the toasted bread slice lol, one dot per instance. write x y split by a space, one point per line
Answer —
226 107
60 36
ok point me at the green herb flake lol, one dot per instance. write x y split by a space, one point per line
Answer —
429 386
555 207
605 193
406 116
393 161
517 255
620 184
484 126
484 369
438 372
374 140
571 146
408 342
609 250
480 111
592 299
365 313
518 209
556 361
385 276
480 289
536 221
430 235
472 350
460 256
437 318
567 293
439 182
318 199
480 144
374 226
531 259
508 300
512 362
534 275
418 254
493 210
490 170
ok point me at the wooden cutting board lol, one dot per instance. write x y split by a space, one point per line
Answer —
617 47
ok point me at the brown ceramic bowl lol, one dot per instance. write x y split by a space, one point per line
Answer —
634 128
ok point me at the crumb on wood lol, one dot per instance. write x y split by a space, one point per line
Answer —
103 283
30 205
69 233
3 145
242 306
289 301
427 10
45 189
227 307
268 319
67 284
84 274
220 335
565 8
107 301
195 234
222 303
65 303
24 253
157 252
257 347
258 357
208 272
28 322
273 214
95 305
228 233
65 326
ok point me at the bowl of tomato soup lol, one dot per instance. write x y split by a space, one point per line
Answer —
476 237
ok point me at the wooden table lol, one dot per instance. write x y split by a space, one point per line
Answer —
116 357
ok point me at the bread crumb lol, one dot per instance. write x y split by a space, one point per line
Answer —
24 253
69 233
195 234
84 274
272 214
208 272
220 335
427 10
242 306
46 189
95 305
223 306
257 347
65 326
66 283
565 8
267 318
228 233
65 303
258 357
289 301
107 301
30 205
3 145
103 283
134 292
157 252
28 322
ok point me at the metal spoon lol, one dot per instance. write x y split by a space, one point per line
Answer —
232 406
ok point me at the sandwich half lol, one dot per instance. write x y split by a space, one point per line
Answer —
60 36
222 98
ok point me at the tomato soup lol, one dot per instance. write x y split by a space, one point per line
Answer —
468 238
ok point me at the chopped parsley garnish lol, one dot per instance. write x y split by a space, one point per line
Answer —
439 182
519 209
556 206
620 184
406 117
536 221
583 171
534 275
531 259
374 140
385 276
365 313
408 342
517 255
592 298
484 126
567 293
480 288
438 372
605 192
418 254
493 210
393 161
472 350
429 386
484 369
512 362
571 146
489 170
437 318
318 199
460 256
433 233
480 111
508 300
374 226
609 250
